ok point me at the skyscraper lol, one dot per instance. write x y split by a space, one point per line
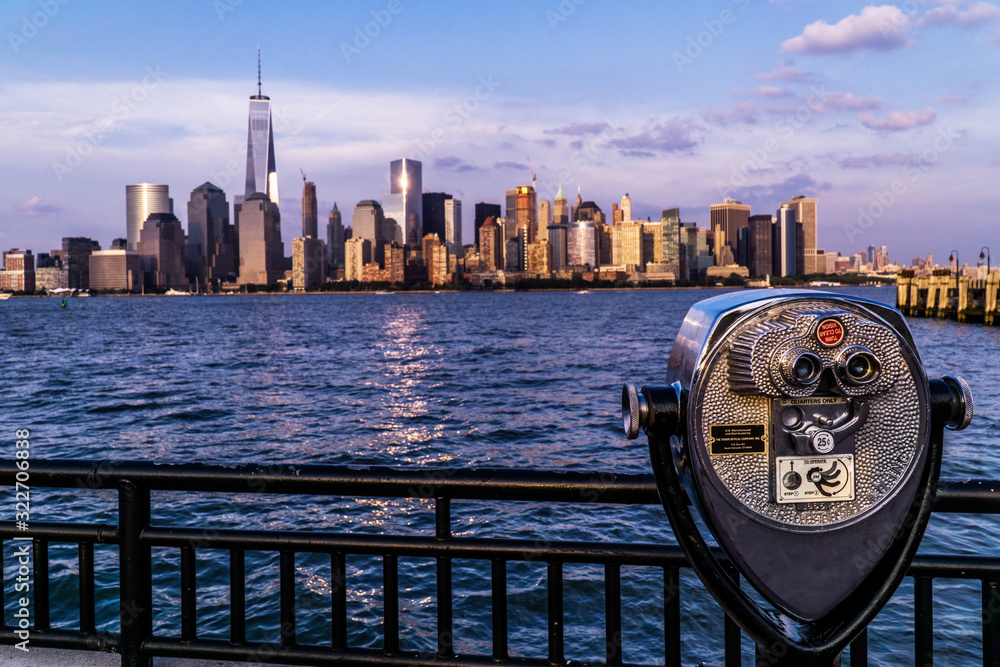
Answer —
211 247
544 219
261 173
140 201
760 244
433 213
161 247
453 225
670 219
726 219
560 208
483 211
334 241
491 241
527 210
785 242
805 214
310 214
626 208
262 254
368 222
308 264
404 203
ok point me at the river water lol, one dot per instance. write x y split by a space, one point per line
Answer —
527 380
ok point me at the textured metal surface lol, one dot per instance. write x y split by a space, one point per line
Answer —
961 387
887 445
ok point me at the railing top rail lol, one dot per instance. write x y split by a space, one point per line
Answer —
512 484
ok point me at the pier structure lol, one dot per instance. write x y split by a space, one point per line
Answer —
946 295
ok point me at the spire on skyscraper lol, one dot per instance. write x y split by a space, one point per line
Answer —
559 194
258 72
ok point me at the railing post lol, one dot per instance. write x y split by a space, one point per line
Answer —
136 588
991 623
923 630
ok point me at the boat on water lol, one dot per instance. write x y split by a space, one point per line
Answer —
173 292
5 295
383 291
584 291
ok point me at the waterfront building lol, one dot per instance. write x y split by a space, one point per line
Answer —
51 277
513 255
262 253
395 263
626 246
404 202
308 264
262 176
334 241
527 210
581 245
357 253
695 254
161 247
670 222
453 225
116 269
211 243
558 240
785 242
484 211
75 258
805 215
436 258
491 242
310 213
433 213
760 243
652 243
369 222
18 274
540 258
725 219
604 245
142 200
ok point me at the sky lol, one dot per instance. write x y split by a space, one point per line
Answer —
887 114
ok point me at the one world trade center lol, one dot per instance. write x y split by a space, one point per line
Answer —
261 174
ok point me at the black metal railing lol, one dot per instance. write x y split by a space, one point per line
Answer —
136 537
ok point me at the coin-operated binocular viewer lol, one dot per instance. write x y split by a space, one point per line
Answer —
804 430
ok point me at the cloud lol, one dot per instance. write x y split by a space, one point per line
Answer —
953 99
880 28
672 136
840 101
509 165
35 207
767 197
897 120
744 111
949 15
579 129
771 91
866 161
786 74
454 164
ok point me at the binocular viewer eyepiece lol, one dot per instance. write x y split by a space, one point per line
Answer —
803 428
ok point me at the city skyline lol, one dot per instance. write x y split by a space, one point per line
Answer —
804 100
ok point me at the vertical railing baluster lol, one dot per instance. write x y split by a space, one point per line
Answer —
671 617
555 593
991 623
442 523
859 650
136 587
613 613
189 623
731 631
923 622
41 584
499 599
338 601
88 618
237 597
286 575
390 596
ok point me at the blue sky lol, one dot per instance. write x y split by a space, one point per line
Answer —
885 113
